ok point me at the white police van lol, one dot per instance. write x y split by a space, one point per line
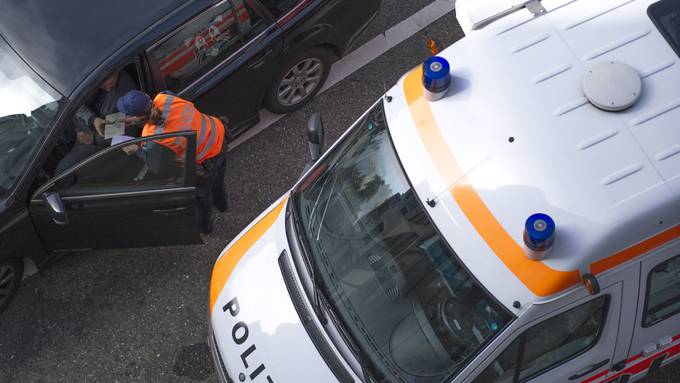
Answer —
508 212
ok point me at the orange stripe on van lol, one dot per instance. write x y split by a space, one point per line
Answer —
536 276
635 251
227 263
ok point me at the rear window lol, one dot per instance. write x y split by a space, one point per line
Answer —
666 16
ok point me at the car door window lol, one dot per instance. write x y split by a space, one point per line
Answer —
663 292
502 369
152 167
250 22
549 344
204 42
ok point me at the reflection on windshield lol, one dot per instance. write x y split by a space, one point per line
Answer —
396 286
27 109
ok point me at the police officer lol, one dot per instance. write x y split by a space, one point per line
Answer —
167 113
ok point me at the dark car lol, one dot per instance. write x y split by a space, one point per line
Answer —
230 57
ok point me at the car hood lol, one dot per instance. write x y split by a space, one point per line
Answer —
255 325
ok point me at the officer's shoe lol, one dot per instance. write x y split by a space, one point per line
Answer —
222 204
208 229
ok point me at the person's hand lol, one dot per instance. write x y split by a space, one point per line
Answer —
131 149
85 138
99 124
132 120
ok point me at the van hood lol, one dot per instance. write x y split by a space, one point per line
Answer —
256 328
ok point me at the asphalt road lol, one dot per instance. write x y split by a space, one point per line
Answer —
140 315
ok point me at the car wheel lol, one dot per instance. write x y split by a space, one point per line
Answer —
11 273
300 80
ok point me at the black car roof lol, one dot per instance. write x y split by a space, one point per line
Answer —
64 40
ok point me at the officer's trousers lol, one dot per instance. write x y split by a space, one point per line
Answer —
210 191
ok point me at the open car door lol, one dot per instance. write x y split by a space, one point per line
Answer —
118 200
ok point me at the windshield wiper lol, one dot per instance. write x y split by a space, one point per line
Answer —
311 263
364 369
317 298
317 302
354 348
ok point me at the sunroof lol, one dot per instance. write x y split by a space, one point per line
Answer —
666 16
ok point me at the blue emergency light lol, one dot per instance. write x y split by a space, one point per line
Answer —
539 235
436 77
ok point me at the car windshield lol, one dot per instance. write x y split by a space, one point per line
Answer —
28 108
391 279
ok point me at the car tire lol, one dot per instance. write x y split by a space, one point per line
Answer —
11 273
299 81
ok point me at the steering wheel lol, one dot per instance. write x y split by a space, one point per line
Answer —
458 327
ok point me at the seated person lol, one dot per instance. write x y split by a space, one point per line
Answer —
91 115
90 118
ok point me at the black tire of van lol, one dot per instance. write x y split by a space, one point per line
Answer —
11 273
297 71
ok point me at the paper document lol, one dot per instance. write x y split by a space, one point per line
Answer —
118 139
115 117
113 130
115 125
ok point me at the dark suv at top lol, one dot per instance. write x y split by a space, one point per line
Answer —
230 57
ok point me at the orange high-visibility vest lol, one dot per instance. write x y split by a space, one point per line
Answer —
179 115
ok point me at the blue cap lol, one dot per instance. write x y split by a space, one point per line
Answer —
134 103
539 232
436 76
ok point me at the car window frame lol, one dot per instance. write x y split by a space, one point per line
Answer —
648 283
519 336
287 15
189 173
153 67
69 112
141 79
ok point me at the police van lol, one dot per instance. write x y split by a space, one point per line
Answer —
508 212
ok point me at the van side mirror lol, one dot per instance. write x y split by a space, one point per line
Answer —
315 137
53 200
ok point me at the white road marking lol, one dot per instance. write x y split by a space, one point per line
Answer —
361 56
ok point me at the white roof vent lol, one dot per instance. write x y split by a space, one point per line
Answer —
612 86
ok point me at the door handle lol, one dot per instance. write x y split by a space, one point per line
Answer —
260 59
665 342
618 366
169 211
589 369
53 200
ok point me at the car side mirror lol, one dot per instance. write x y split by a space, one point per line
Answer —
53 200
315 137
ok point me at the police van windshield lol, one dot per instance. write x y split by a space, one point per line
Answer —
27 109
392 281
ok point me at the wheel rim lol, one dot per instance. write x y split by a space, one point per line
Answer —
300 81
7 280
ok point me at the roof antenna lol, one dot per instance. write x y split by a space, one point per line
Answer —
432 202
